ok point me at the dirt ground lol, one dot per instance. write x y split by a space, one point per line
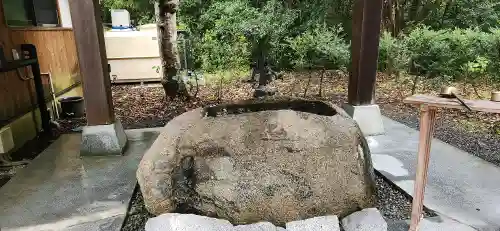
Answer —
474 132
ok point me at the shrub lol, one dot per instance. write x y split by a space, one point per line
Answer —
493 54
320 47
222 54
393 55
446 53
429 52
467 46
477 67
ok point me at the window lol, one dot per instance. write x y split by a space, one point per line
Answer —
31 12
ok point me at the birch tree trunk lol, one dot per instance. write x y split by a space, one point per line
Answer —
165 12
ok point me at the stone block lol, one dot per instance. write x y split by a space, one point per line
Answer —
260 160
368 118
261 226
325 223
186 222
103 140
365 220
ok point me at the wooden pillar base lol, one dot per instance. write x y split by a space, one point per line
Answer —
103 140
368 118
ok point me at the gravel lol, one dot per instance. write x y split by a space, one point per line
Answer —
393 203
137 214
478 142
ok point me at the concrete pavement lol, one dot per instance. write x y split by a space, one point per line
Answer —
439 223
461 186
59 190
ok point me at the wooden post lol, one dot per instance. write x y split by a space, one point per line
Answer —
89 37
427 121
428 105
357 32
367 17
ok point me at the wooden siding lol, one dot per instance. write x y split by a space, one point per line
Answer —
57 52
57 55
14 93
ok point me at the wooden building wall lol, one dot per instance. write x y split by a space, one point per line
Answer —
57 51
57 55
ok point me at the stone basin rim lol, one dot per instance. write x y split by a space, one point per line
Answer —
317 107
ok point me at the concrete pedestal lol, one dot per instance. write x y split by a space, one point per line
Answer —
103 140
368 118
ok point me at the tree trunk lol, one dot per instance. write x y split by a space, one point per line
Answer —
320 93
415 85
308 82
399 18
445 11
165 12
264 70
389 19
415 6
262 63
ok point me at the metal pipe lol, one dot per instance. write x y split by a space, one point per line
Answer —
53 93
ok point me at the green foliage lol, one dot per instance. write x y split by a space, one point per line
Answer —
429 52
321 47
141 11
216 55
493 53
402 16
477 67
217 27
272 21
219 42
393 54
482 14
446 53
439 38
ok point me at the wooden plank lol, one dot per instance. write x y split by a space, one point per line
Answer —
57 55
475 105
427 121
5 43
14 93
41 29
57 52
89 37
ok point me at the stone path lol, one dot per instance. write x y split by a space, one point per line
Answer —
460 185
